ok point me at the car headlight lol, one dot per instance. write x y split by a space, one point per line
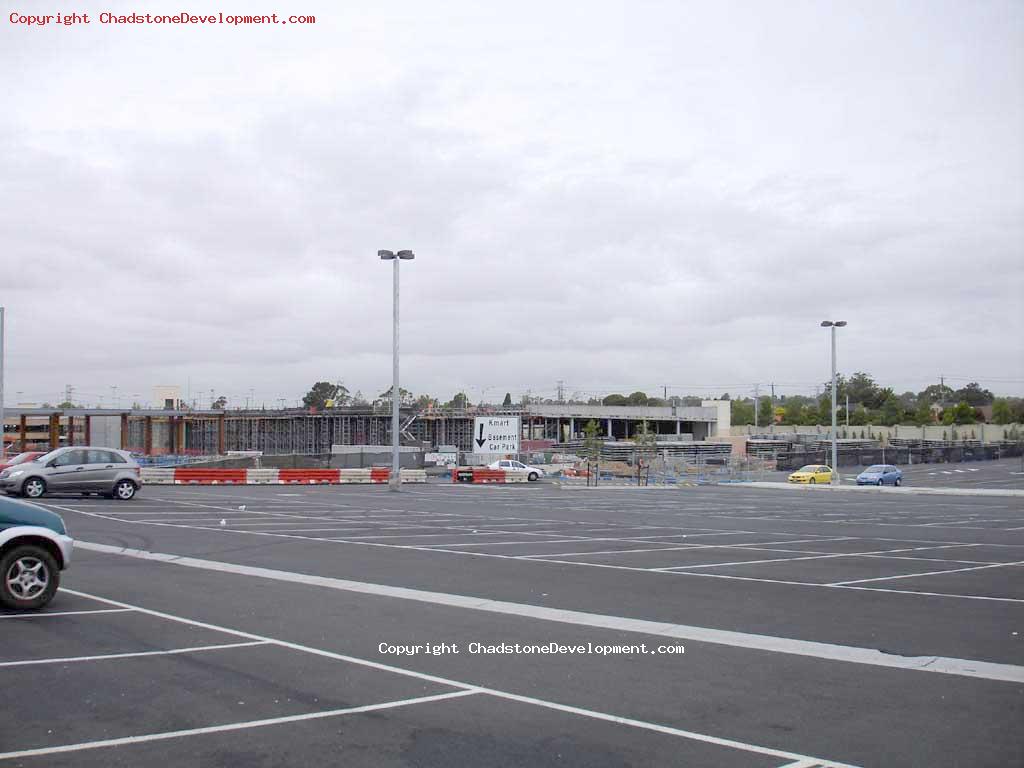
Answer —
16 472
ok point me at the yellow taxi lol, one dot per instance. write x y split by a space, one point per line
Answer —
812 473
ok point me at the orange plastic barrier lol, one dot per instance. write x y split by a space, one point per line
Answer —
209 476
308 475
380 474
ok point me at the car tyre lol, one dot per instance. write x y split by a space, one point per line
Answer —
532 477
881 482
813 481
124 490
898 481
29 577
33 488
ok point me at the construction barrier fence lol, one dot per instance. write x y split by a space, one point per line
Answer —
196 476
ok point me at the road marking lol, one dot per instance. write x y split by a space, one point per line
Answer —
929 573
230 726
468 688
853 654
101 657
61 613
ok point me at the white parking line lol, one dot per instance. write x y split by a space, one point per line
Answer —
39 615
467 689
104 656
929 573
126 740
829 651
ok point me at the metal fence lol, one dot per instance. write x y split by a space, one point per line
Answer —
901 455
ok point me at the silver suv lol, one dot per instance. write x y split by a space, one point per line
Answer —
77 469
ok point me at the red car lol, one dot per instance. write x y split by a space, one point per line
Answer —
21 458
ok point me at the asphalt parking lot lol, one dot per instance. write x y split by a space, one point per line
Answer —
279 625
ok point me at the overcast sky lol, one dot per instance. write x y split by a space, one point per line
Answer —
619 195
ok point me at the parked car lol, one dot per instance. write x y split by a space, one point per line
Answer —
34 549
518 466
811 474
21 458
881 474
75 469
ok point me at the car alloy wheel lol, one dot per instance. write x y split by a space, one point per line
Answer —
881 481
124 490
27 578
34 488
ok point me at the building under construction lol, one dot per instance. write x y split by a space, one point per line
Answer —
295 431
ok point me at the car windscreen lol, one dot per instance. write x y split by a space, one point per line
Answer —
809 468
21 458
876 468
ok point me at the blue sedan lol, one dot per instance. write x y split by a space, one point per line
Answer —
880 474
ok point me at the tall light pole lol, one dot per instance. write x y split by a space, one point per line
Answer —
833 324
395 481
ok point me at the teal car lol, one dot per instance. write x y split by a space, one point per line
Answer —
34 549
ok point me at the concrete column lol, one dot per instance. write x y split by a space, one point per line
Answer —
88 429
124 431
609 428
23 432
572 427
679 427
147 436
180 441
71 430
54 431
220 435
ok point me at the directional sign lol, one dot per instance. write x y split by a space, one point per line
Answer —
496 434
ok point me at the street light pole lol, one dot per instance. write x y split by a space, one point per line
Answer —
835 453
395 480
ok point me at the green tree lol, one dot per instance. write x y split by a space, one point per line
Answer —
764 412
891 410
426 402
638 398
1001 413
323 391
384 398
793 413
742 412
974 395
460 401
961 413
507 402
645 440
615 400
220 403
591 440
936 393
923 414
858 416
862 389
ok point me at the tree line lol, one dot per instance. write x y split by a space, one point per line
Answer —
869 403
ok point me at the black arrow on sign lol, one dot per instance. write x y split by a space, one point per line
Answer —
480 440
